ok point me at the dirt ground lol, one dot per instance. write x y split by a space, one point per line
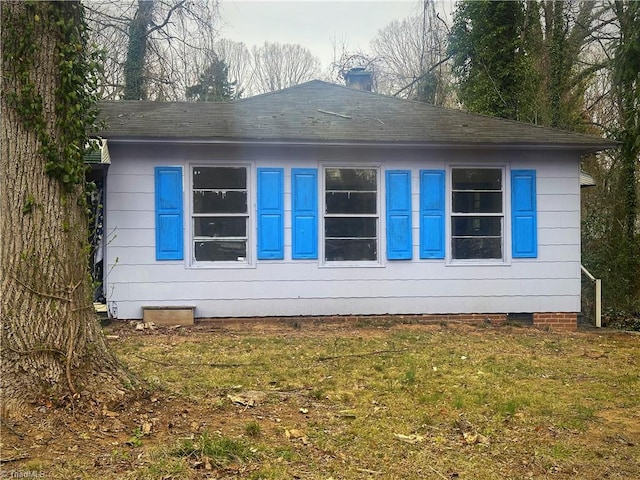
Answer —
52 434
99 442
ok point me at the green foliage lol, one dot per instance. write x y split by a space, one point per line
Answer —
427 88
136 439
409 377
611 230
214 85
520 60
490 61
29 204
626 81
252 429
64 144
218 450
565 79
606 250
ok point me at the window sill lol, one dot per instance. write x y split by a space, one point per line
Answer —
478 263
352 265
220 266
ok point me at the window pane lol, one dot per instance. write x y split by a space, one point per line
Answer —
350 202
477 202
476 179
219 202
468 248
350 227
220 226
342 249
351 179
224 250
351 191
476 226
220 177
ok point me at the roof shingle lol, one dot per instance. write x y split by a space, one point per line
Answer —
321 112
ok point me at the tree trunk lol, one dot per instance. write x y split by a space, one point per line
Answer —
52 343
134 81
626 74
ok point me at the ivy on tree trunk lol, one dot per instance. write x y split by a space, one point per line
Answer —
134 84
626 76
52 343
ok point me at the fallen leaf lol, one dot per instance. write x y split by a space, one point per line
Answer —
411 439
371 472
346 414
470 438
294 434
473 438
248 399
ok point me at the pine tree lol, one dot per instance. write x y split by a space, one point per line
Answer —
214 85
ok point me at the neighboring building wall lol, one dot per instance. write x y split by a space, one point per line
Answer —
134 278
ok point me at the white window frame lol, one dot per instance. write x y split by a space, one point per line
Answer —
505 233
249 260
378 215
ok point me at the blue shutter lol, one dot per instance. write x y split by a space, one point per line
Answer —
168 198
270 213
432 194
304 213
398 186
524 235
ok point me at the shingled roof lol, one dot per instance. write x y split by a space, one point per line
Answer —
320 112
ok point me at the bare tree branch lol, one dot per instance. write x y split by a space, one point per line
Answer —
167 18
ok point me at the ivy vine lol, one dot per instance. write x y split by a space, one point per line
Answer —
65 143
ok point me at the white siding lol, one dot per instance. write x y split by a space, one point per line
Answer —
134 278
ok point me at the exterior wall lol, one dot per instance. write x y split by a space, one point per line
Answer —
133 277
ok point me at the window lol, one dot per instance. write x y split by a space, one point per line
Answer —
351 214
477 213
220 214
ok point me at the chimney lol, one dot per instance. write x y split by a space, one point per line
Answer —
359 78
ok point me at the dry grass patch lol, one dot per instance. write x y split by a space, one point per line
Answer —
348 401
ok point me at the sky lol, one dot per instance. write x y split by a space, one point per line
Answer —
316 25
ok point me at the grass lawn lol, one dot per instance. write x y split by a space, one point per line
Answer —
353 401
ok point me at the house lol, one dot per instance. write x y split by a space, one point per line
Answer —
325 200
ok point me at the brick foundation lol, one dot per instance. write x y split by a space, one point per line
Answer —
553 321
493 318
556 321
